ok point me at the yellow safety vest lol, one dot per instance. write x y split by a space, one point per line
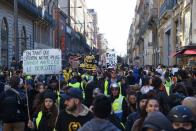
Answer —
106 83
168 85
66 76
39 118
117 104
75 85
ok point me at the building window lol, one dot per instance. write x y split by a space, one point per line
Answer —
4 42
23 40
187 25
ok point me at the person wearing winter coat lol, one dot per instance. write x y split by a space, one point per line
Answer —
46 117
142 99
152 105
156 121
100 122
75 114
13 106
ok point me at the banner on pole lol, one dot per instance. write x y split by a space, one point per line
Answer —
42 61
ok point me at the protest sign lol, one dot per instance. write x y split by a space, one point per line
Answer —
111 59
42 61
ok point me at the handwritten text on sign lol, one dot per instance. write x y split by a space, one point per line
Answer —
42 61
111 58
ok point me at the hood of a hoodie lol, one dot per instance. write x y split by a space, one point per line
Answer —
83 113
97 124
157 121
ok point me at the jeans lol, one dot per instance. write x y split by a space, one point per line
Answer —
17 126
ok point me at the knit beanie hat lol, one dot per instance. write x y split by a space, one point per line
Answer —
50 94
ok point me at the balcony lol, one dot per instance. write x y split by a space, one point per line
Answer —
34 11
166 6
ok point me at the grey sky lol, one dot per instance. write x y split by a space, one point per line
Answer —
114 20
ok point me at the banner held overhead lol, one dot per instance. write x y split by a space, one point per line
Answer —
42 61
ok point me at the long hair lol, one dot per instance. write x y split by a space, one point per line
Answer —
144 113
52 114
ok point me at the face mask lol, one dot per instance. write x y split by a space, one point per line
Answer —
182 129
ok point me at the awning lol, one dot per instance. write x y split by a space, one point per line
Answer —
190 52
185 52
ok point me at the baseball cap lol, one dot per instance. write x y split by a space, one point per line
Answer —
73 93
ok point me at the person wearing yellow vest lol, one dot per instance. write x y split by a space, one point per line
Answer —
46 117
113 79
119 104
74 85
168 83
73 82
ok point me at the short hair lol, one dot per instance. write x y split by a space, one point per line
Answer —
102 106
14 81
156 82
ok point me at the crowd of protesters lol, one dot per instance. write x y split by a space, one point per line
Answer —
122 99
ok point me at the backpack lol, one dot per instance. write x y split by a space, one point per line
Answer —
11 107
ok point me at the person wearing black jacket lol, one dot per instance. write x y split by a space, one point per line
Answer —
130 78
46 117
13 107
76 114
100 121
161 94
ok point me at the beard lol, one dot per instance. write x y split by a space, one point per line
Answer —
72 109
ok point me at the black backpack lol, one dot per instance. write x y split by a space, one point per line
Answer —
11 107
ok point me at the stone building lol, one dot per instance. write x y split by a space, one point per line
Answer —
35 22
163 32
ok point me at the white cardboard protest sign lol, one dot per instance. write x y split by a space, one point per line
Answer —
42 61
111 59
